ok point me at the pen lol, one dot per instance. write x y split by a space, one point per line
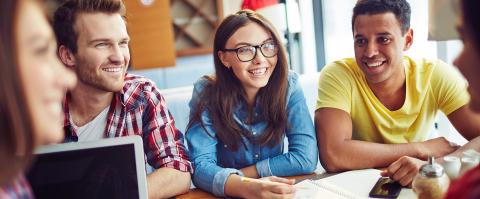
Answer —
247 179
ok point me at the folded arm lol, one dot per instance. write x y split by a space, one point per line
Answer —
167 182
465 121
165 151
220 181
302 155
339 152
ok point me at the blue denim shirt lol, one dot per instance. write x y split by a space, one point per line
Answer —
214 161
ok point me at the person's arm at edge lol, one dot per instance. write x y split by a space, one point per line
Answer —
466 122
454 92
472 144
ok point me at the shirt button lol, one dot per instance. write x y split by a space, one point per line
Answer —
256 155
254 133
225 146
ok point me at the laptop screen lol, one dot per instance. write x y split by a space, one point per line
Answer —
94 172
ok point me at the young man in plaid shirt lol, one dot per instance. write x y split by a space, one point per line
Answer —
107 102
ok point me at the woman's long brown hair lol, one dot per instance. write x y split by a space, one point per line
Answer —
16 138
224 91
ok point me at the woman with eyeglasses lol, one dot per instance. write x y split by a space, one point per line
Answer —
32 86
240 116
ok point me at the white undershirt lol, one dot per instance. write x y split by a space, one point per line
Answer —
93 130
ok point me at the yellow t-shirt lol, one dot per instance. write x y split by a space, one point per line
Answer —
431 85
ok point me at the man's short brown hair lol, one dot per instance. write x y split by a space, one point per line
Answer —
65 17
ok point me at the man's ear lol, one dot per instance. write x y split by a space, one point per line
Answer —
223 58
408 39
66 56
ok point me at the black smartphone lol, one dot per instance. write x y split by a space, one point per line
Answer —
385 188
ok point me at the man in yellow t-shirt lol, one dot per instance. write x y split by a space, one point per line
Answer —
377 109
429 86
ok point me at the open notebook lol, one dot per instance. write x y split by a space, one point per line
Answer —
346 185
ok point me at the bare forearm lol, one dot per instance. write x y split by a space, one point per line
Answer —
338 151
473 144
354 154
167 182
234 186
466 121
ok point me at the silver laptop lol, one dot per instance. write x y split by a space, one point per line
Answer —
107 168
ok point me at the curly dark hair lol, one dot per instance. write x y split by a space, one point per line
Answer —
400 8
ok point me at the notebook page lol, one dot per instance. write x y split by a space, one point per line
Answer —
309 189
358 182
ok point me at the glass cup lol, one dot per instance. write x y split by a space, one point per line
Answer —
468 163
452 165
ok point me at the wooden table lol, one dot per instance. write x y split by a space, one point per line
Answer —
200 194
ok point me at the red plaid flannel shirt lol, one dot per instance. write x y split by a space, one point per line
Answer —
19 189
139 109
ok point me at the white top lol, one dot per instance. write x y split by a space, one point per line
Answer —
93 130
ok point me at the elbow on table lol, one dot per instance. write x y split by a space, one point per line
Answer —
200 182
307 168
310 169
332 163
188 183
308 165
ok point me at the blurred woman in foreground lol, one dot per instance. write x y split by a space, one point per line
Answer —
32 86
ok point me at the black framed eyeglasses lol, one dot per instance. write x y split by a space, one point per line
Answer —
248 53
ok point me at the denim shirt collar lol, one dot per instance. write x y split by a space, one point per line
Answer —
240 114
